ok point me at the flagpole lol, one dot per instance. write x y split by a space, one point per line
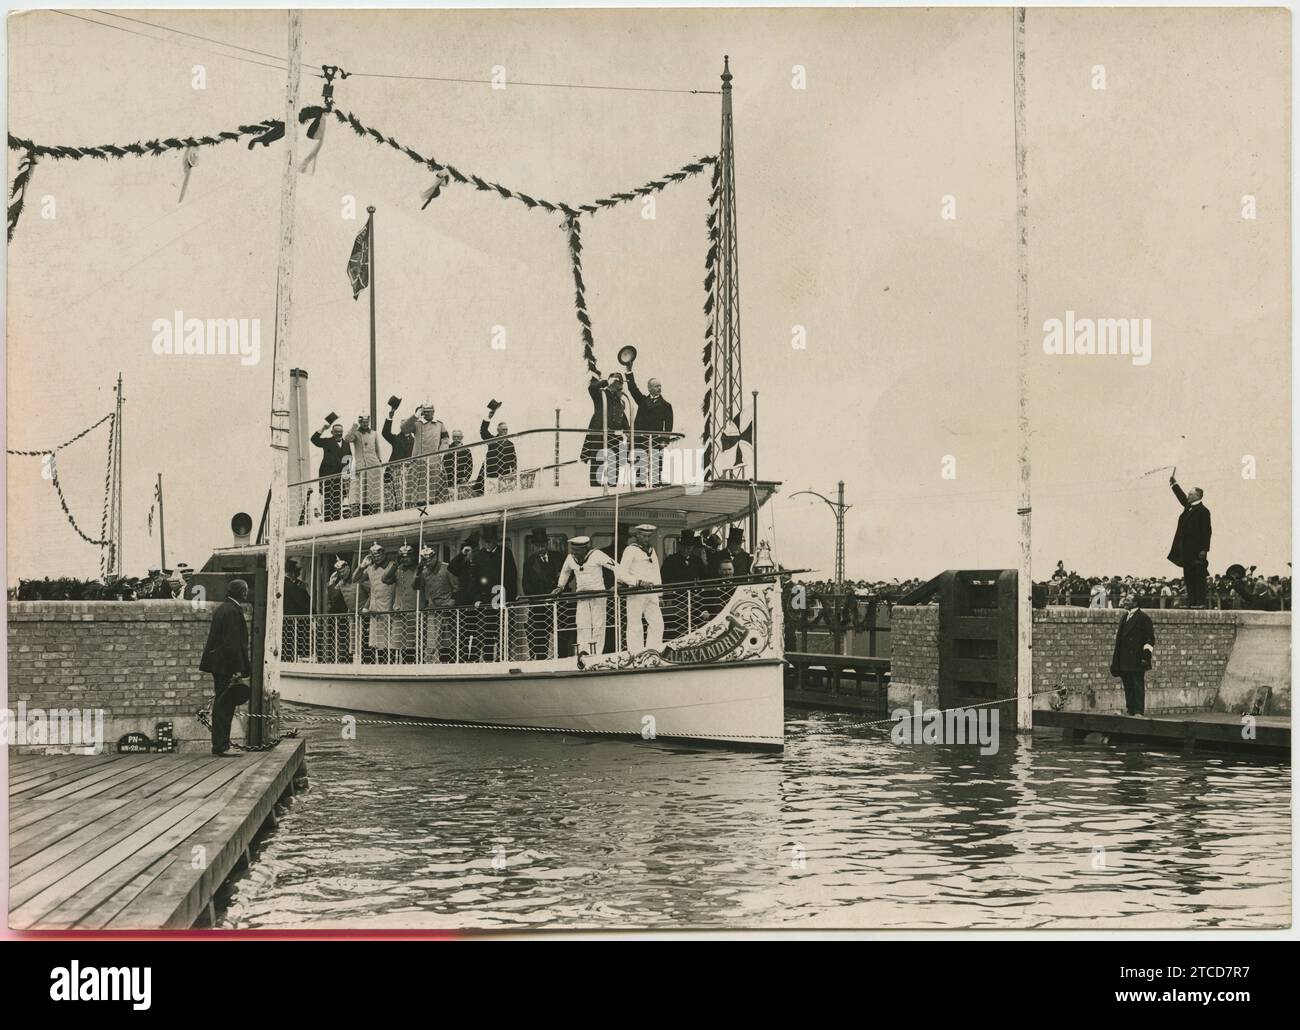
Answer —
370 235
278 497
753 472
162 529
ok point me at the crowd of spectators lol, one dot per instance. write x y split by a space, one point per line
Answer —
1237 587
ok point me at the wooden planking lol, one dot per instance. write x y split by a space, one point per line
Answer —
107 840
1211 729
235 828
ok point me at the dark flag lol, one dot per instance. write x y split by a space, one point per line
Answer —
359 262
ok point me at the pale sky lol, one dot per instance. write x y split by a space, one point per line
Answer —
1135 198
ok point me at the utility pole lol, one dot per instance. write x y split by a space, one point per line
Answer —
838 508
162 530
279 500
1024 508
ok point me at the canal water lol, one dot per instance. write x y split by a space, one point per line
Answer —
438 828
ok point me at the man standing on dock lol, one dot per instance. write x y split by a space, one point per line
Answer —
225 656
1191 547
1135 640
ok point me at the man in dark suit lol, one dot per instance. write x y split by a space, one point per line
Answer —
606 430
499 461
401 445
654 415
1191 546
1135 640
741 560
682 566
333 463
498 581
297 601
225 656
541 573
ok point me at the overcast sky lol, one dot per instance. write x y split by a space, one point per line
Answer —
1135 196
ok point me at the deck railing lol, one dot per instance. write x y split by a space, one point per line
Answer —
502 465
698 620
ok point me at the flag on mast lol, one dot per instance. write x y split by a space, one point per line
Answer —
359 262
157 496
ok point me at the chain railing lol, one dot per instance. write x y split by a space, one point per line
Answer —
510 464
532 629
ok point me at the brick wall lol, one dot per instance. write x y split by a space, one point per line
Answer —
914 656
1073 647
136 660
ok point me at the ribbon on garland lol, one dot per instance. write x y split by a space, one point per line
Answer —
580 295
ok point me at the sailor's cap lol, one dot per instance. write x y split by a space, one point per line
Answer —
645 527
581 541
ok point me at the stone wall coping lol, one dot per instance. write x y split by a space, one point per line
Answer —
109 611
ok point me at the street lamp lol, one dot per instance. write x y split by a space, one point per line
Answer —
839 508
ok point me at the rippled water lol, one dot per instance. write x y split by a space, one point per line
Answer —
410 827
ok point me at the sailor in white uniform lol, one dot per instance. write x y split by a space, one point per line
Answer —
640 568
586 567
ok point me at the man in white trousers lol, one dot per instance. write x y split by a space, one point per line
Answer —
640 568
586 568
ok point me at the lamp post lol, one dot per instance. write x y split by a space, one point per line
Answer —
839 508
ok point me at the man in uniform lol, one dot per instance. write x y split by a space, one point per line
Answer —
457 463
541 573
367 467
437 597
585 568
640 568
372 570
425 478
404 575
334 463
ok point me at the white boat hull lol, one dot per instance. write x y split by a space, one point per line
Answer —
740 704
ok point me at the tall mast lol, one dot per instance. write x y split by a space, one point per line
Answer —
1025 585
279 499
370 236
726 400
116 567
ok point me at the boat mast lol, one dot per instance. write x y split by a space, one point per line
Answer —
279 499
116 567
726 403
1024 509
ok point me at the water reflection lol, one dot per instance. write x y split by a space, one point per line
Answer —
409 826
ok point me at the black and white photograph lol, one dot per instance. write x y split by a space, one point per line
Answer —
644 472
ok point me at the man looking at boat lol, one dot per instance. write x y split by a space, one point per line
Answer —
372 570
225 656
640 568
586 567
333 464
1135 641
437 588
541 574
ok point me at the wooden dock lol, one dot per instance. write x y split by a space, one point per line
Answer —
137 841
845 683
1218 731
